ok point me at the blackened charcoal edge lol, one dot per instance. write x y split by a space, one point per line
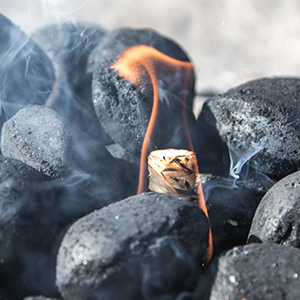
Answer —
277 218
256 271
143 246
124 110
39 137
26 73
29 226
260 116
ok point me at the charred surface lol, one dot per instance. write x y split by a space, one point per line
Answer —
256 271
123 109
121 250
277 218
258 118
39 137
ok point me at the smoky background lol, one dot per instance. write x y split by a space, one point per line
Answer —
229 42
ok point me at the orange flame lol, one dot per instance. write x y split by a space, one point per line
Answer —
132 66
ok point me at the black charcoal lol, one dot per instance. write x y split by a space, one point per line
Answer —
39 137
256 121
256 271
26 73
231 206
139 248
123 109
28 228
277 218
68 45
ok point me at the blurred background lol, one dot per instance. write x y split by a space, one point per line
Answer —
230 42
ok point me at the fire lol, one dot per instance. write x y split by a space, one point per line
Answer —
135 64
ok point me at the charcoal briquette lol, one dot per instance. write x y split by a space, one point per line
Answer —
138 248
259 122
256 271
277 218
123 109
38 136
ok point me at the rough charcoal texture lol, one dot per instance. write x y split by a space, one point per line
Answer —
39 137
256 271
277 218
26 73
139 248
123 109
231 206
28 227
260 116
68 45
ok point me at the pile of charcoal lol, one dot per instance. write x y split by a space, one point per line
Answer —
72 129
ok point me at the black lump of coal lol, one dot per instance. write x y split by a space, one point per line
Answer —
139 248
231 206
38 136
26 73
123 109
68 45
277 218
255 271
259 120
28 228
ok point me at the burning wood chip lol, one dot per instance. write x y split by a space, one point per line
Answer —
172 171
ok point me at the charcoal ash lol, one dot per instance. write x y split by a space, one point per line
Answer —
68 46
255 271
39 137
26 73
231 206
259 118
28 229
277 218
123 109
143 246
